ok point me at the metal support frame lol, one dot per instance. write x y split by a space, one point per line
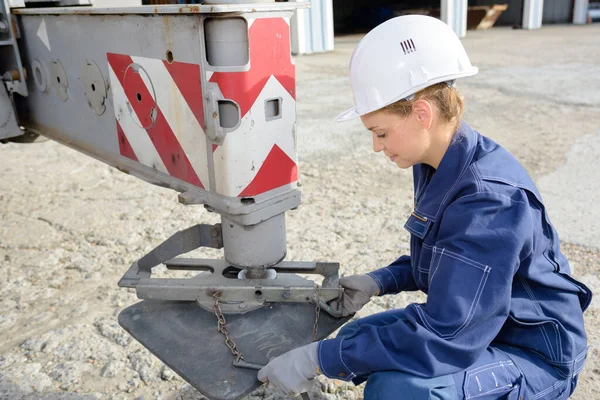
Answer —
265 317
96 99
202 235
242 295
238 295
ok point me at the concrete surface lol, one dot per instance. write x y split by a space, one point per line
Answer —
71 226
575 205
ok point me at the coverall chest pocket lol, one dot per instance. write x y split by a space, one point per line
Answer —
420 251
424 266
497 380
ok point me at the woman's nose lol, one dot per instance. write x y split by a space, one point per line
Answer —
377 145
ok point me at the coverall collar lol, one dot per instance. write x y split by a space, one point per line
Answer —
432 187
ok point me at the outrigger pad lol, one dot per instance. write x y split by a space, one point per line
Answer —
185 337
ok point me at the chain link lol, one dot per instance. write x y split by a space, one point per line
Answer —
222 328
222 323
317 313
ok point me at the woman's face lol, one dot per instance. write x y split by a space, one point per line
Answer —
405 141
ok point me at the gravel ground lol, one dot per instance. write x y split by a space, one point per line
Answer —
71 226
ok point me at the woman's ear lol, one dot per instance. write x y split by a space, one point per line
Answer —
423 112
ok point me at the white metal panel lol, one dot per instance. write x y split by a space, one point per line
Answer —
312 29
116 3
532 14
454 13
580 11
239 159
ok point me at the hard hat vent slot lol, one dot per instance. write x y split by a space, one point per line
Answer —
408 46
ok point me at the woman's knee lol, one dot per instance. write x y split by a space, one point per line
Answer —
387 386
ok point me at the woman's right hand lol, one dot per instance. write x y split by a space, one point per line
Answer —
358 290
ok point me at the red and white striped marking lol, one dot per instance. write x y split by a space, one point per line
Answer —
160 115
260 155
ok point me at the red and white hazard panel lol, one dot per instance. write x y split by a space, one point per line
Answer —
261 154
160 115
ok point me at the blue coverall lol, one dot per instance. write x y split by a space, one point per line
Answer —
503 317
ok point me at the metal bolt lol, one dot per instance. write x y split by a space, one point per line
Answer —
12 75
242 306
3 27
285 294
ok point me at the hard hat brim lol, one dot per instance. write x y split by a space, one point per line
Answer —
348 115
354 113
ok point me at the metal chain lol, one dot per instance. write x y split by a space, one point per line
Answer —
317 313
222 323
222 328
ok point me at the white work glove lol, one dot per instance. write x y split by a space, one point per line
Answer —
358 290
293 371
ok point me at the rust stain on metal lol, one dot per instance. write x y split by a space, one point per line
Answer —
189 9
83 11
122 169
167 30
15 75
14 27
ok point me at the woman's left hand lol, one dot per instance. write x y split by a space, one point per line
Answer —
292 372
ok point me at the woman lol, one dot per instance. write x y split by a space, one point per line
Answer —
503 317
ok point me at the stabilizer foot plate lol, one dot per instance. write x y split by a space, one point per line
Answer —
185 337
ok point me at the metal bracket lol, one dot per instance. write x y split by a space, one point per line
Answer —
8 118
12 66
214 131
201 235
238 296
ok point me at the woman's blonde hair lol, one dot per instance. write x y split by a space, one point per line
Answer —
447 99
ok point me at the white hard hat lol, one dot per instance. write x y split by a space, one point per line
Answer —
400 57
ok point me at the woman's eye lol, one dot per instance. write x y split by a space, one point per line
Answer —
380 135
